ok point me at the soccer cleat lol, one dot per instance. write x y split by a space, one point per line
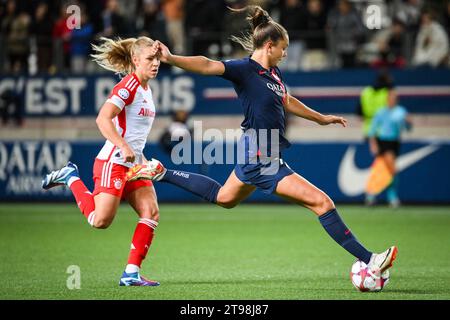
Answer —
379 263
60 177
135 280
152 170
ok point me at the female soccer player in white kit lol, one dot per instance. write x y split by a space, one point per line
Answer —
125 120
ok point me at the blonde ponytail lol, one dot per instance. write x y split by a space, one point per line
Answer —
116 55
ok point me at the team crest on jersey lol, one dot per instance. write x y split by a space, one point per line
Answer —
124 93
118 183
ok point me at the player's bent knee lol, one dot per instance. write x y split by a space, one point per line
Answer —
227 205
323 204
150 213
101 223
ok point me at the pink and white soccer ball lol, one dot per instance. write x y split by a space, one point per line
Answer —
364 280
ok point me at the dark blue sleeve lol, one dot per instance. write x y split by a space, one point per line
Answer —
235 70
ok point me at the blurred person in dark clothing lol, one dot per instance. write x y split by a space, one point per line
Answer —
113 22
316 21
18 43
15 28
315 57
347 31
447 18
201 13
392 49
293 18
94 10
409 12
11 103
61 38
234 23
42 30
7 15
80 44
149 11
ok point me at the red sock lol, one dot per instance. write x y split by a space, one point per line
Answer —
142 239
84 198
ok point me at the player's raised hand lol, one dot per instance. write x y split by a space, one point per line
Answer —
330 119
154 48
165 53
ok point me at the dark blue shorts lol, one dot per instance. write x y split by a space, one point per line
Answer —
263 176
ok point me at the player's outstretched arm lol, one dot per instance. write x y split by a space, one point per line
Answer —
196 64
295 106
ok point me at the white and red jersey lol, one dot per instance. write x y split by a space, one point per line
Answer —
133 122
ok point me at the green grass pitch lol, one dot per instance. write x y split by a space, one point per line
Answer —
206 252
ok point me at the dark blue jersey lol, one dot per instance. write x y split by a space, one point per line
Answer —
262 94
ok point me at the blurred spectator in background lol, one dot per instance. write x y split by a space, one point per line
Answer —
346 31
392 47
10 103
373 98
80 44
409 12
7 18
447 18
315 56
431 43
384 134
42 31
174 14
198 14
61 39
149 11
234 23
179 129
292 17
113 23
16 30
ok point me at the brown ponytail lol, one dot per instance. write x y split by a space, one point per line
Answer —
263 28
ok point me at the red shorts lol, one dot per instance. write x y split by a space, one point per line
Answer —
111 178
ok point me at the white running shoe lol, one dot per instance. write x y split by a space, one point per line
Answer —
152 170
60 177
380 262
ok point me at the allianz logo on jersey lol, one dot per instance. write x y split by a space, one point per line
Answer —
278 89
146 112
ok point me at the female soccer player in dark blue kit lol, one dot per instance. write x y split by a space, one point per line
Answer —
263 96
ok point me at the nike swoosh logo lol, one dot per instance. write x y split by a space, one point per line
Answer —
352 180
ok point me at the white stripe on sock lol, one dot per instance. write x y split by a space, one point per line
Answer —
149 222
132 268
91 218
72 180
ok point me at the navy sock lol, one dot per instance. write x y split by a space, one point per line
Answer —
198 184
336 228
